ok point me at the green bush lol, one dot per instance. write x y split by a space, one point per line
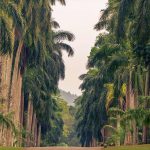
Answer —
62 144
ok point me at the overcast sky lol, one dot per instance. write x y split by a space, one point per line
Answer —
79 17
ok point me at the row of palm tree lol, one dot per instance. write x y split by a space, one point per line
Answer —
30 42
118 75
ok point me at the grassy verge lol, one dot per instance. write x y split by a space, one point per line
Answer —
134 147
10 148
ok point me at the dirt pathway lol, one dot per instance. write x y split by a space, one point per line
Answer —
64 148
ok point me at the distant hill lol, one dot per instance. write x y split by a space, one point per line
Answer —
68 97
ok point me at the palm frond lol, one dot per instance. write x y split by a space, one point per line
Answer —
61 1
63 35
66 47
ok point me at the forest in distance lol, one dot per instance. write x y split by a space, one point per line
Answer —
114 107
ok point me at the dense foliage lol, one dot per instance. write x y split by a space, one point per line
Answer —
26 26
62 132
117 77
115 90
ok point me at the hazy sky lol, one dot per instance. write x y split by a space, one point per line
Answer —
79 17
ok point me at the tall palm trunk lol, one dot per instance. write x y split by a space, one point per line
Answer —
34 130
118 130
16 92
131 103
94 143
21 117
39 135
5 62
147 93
29 122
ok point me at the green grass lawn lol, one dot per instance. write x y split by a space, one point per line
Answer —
10 148
137 147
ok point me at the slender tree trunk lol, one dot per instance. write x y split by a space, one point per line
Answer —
1 135
144 135
14 104
128 133
131 103
135 135
118 130
39 135
94 144
34 130
21 117
147 93
29 122
103 134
